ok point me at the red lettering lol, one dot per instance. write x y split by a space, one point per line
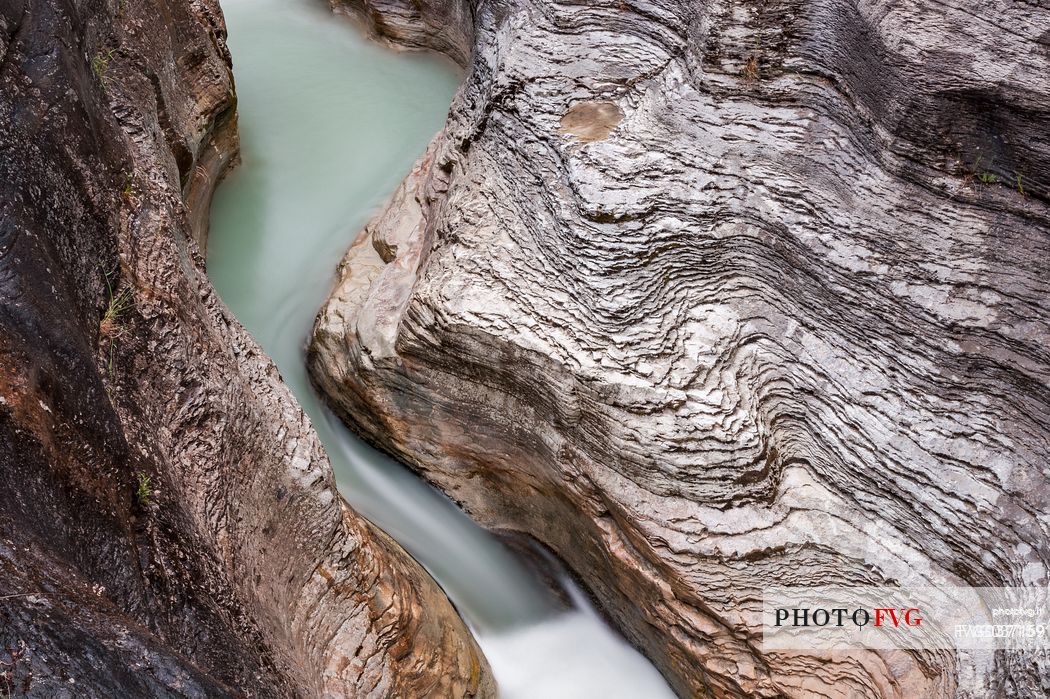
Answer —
880 611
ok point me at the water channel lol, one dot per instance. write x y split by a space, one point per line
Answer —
330 123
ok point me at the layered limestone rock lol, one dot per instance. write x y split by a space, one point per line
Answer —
169 524
710 297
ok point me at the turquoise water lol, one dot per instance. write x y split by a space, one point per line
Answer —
330 123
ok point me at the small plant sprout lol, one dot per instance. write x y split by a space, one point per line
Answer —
1020 187
978 174
100 63
110 328
120 302
144 491
129 186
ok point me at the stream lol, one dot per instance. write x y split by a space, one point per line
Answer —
330 123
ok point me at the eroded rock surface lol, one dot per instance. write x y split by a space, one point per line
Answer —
168 521
715 296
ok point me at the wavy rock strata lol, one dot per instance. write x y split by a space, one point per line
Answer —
168 521
713 296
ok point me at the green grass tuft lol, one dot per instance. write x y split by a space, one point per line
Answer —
110 327
100 63
144 491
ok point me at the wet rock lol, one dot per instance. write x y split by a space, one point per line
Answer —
709 297
168 521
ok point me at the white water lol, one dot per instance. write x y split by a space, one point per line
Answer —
330 123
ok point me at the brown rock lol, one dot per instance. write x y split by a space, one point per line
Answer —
168 521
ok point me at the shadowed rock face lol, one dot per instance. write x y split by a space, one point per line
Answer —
714 296
168 521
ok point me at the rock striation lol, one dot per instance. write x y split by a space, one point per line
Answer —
709 297
169 525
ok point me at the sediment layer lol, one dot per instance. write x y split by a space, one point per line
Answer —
709 297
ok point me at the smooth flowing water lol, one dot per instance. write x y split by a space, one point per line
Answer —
330 123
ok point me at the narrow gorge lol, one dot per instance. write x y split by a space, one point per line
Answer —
329 124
